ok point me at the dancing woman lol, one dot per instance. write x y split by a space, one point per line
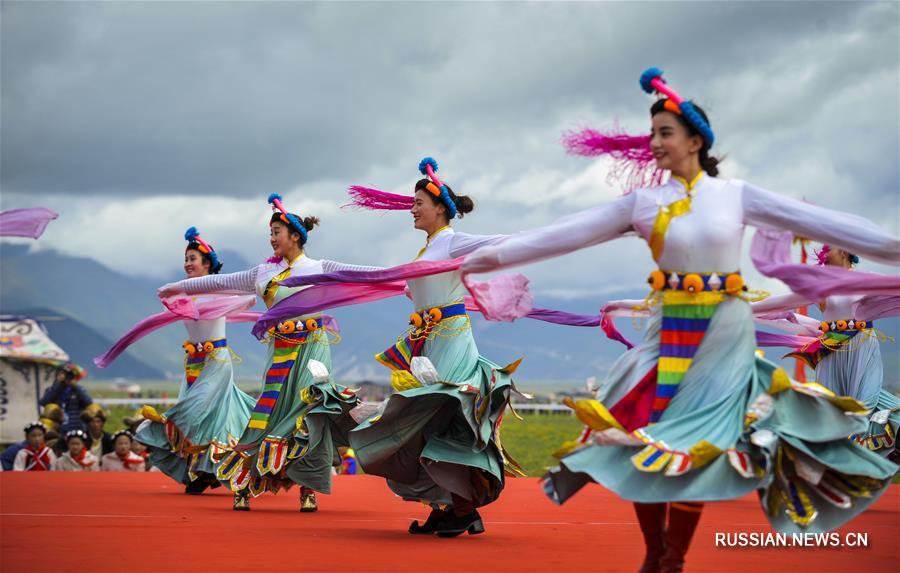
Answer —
211 410
301 417
436 440
691 414
845 351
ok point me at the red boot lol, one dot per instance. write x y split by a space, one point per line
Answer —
652 519
683 520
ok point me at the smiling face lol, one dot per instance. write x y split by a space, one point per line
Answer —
428 215
673 147
283 239
194 264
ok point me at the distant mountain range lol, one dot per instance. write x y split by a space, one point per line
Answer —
96 305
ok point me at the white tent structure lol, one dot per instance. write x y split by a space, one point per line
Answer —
28 361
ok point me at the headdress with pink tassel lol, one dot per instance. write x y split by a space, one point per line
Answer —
373 199
633 160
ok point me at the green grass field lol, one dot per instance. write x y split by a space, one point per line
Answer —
532 440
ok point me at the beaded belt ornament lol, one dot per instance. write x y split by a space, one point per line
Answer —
845 325
398 356
733 283
196 356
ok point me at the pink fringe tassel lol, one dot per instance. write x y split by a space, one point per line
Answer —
373 199
634 163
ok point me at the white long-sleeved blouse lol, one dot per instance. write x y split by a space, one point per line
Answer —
706 239
256 280
445 288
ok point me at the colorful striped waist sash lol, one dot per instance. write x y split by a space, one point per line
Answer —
685 318
398 356
287 347
196 357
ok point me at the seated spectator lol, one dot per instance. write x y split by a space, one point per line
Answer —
36 456
77 458
141 450
99 441
8 457
53 417
122 459
71 397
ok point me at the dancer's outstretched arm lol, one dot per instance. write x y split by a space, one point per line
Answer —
571 233
852 233
329 266
243 282
463 243
779 303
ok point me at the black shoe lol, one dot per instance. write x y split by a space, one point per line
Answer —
430 525
241 502
196 487
454 525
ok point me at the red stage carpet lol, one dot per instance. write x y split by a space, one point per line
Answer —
115 522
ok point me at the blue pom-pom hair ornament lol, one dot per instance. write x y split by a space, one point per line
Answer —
287 218
192 235
428 167
652 81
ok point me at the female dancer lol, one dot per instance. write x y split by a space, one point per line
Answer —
436 439
211 410
300 418
694 390
846 354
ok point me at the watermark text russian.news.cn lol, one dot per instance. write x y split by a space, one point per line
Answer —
772 539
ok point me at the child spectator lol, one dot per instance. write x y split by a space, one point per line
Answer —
122 459
77 458
141 450
35 456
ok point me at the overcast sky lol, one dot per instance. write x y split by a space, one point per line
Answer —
137 120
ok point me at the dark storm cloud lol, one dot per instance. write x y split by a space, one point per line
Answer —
242 98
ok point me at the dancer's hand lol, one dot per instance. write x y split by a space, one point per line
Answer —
169 289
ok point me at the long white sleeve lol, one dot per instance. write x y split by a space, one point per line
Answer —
568 234
850 232
232 283
780 303
329 266
461 244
